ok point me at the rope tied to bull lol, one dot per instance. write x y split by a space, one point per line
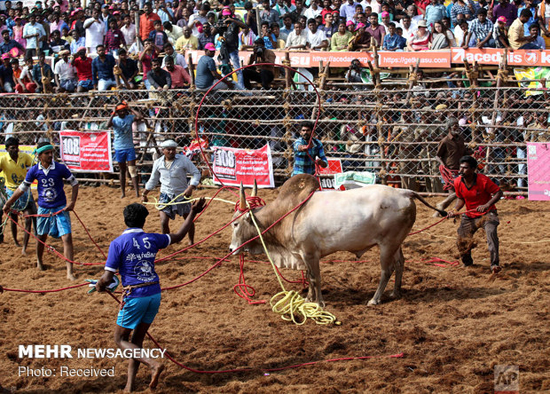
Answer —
291 305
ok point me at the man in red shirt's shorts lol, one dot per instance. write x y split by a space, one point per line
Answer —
479 194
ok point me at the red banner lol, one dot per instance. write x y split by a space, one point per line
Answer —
86 151
428 59
334 167
232 166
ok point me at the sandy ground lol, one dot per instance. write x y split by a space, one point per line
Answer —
452 325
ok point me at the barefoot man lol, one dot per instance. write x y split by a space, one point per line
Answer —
172 170
133 255
52 202
15 166
121 120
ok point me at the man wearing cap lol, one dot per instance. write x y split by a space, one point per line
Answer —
33 33
207 73
65 73
8 44
83 66
53 209
7 84
266 73
122 120
172 170
481 31
500 34
15 165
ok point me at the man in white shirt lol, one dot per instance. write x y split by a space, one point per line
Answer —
408 28
297 39
95 30
199 18
173 32
461 32
33 32
171 171
65 73
316 39
128 31
313 11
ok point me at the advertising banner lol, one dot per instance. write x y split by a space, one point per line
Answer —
232 166
86 151
538 171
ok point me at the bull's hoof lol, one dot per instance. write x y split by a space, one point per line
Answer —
395 295
373 302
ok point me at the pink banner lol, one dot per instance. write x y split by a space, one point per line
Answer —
86 151
232 166
538 170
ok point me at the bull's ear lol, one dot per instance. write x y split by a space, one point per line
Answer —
254 189
242 204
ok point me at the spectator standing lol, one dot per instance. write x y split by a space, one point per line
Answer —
128 30
506 9
42 74
267 14
435 11
199 19
147 55
7 83
347 10
77 42
206 37
158 36
114 38
528 5
95 30
146 21
33 33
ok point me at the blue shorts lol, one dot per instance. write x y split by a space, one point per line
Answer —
124 155
138 310
55 226
87 84
23 202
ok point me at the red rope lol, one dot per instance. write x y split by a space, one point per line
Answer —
46 291
242 289
448 176
89 235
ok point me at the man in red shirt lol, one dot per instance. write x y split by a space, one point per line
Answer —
479 194
146 21
83 65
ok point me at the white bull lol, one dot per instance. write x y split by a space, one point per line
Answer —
331 221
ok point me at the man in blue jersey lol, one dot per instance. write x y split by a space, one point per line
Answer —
133 255
52 202
121 120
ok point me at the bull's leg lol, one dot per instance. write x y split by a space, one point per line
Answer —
314 277
399 265
387 261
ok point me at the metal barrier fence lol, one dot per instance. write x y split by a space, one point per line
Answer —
393 133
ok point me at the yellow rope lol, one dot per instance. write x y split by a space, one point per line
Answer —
161 206
292 304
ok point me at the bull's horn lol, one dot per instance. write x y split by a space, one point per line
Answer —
243 198
254 189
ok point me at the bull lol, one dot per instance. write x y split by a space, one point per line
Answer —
328 222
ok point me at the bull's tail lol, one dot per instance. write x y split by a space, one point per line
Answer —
423 201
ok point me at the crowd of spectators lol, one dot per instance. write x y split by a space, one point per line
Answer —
99 46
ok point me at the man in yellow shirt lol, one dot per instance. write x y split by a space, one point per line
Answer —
187 41
516 35
15 165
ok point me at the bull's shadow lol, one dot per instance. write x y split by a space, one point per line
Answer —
429 294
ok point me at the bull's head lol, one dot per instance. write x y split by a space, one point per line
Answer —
244 229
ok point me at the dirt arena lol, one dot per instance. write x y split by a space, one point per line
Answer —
452 325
